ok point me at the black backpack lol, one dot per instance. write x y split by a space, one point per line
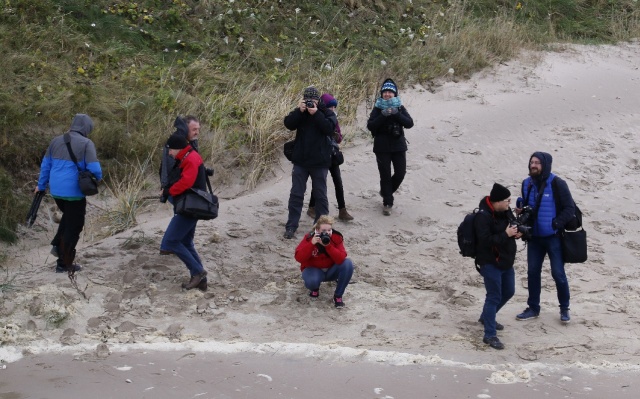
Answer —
467 235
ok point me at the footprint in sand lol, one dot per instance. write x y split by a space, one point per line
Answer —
605 227
630 216
436 158
272 202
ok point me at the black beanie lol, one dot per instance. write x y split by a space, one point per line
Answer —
177 142
499 193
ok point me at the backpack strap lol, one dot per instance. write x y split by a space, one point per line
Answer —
67 141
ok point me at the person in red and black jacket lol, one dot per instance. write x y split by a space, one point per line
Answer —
322 257
495 254
178 238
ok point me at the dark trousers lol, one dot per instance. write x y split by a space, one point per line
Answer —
389 183
537 248
337 182
500 286
299 177
69 229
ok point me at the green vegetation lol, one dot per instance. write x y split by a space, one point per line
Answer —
240 66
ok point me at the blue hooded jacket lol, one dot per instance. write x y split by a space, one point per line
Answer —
548 219
59 172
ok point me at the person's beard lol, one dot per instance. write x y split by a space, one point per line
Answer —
535 173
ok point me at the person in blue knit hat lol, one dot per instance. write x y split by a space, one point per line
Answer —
387 122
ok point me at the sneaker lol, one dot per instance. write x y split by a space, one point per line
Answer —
493 342
311 212
499 326
338 303
314 294
54 251
63 269
386 210
288 233
527 314
564 315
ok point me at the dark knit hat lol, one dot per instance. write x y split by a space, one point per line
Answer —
389 85
311 93
499 193
177 142
329 100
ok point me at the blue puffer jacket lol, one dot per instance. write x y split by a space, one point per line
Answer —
58 170
549 219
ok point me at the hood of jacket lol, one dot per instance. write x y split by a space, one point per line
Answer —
82 124
181 128
545 160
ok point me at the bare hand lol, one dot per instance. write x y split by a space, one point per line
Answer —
511 230
316 239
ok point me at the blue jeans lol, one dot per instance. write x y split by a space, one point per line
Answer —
179 239
341 273
537 248
299 177
500 286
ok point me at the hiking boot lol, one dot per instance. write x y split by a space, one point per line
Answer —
386 210
493 342
288 233
344 215
311 212
64 269
564 315
54 251
195 281
203 285
527 314
337 302
499 326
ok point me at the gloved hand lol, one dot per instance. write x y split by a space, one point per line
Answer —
393 110
386 112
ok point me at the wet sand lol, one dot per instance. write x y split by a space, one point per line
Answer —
186 374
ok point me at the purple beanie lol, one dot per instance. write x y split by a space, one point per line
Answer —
329 100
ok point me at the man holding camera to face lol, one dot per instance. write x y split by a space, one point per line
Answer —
311 155
322 257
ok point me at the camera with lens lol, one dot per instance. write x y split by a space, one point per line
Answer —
524 222
209 171
164 198
325 238
309 104
395 129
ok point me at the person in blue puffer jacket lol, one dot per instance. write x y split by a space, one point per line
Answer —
539 191
60 174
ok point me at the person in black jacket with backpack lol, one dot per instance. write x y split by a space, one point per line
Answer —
495 254
387 122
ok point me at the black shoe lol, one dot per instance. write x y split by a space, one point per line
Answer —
288 233
203 285
493 342
337 302
314 294
63 269
499 326
55 251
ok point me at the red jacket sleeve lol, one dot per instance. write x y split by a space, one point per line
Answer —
304 250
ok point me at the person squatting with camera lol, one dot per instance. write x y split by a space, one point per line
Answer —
60 173
495 254
329 102
188 172
311 156
322 257
387 122
553 208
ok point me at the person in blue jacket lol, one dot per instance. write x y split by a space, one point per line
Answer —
60 174
552 207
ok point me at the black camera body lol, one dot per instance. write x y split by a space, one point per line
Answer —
395 129
163 198
309 104
524 222
325 238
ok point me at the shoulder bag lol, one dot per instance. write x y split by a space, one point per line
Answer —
86 180
198 204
